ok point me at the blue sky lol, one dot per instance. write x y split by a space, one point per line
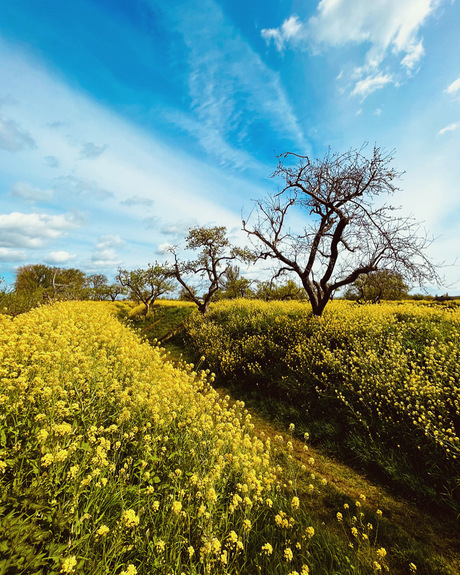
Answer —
124 122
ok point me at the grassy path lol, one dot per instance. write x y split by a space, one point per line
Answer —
410 534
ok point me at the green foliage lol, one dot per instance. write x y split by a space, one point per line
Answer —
147 284
14 303
234 285
55 283
377 286
270 291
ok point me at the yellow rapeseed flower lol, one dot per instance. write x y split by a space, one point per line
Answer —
267 549
129 518
103 530
176 507
288 555
69 564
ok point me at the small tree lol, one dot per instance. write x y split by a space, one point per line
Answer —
147 284
377 286
234 285
112 291
97 286
210 267
345 235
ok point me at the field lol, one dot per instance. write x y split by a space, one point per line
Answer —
378 384
114 461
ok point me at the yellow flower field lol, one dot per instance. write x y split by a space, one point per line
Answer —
391 370
113 461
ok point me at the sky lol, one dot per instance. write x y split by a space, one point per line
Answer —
123 123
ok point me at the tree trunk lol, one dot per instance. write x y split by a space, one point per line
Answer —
203 307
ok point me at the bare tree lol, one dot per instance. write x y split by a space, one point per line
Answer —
210 267
345 234
147 284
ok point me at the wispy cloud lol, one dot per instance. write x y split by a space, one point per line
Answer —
105 255
138 201
30 193
90 151
13 138
290 29
73 186
450 128
454 89
370 84
232 91
51 161
386 25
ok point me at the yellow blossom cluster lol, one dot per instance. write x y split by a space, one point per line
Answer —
115 448
394 367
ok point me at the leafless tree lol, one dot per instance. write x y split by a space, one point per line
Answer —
345 233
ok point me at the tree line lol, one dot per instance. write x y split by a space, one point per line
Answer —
348 243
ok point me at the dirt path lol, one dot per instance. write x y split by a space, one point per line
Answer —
405 529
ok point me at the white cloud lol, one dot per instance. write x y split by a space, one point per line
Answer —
10 255
164 248
413 55
290 29
454 89
385 24
450 128
19 230
13 138
370 84
105 254
31 193
390 27
59 257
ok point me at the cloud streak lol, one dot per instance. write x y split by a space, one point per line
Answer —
30 193
449 128
90 151
454 89
231 89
